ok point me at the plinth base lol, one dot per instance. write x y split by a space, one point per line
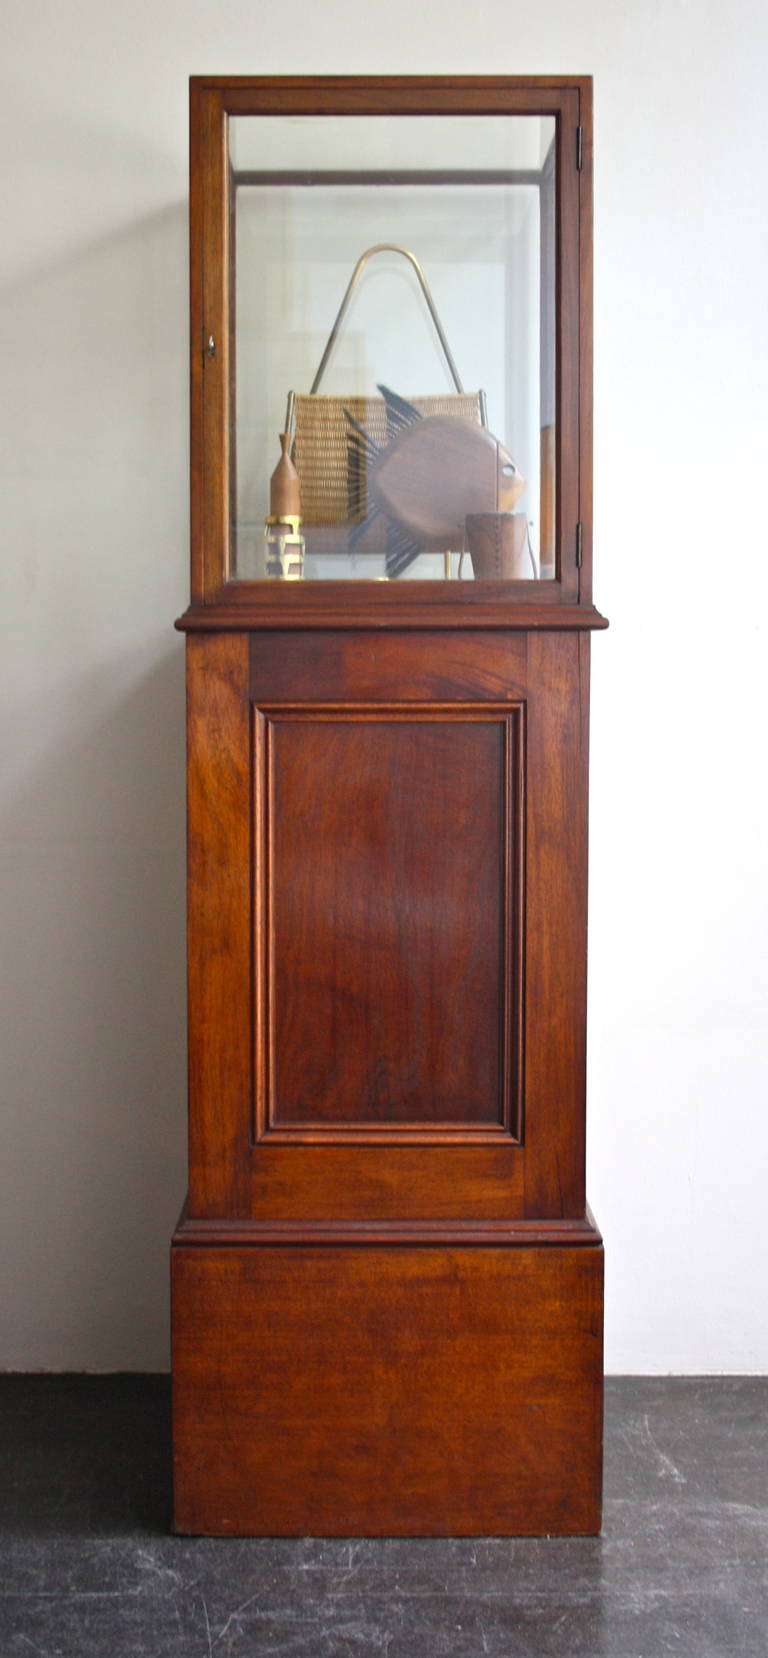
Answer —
404 1388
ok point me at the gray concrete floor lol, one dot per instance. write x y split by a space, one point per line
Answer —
88 1569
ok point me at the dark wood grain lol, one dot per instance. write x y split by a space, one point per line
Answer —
348 1392
395 1234
343 666
556 923
387 913
434 1052
364 90
451 606
218 928
390 94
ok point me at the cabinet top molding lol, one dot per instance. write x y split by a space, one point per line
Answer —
367 83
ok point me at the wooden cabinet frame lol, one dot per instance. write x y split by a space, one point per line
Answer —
387 1285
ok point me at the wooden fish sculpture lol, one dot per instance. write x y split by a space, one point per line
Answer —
435 472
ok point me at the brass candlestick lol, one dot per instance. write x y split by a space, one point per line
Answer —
285 547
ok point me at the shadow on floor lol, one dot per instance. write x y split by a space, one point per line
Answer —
85 1454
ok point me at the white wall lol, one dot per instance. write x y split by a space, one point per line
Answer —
93 475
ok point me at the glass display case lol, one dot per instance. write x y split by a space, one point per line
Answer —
386 374
366 298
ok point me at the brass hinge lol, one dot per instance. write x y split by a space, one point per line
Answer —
210 347
578 547
579 148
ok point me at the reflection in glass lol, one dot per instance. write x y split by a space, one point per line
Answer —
393 310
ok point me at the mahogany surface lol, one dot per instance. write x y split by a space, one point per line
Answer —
386 915
378 1391
342 995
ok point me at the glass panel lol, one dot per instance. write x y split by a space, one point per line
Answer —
421 408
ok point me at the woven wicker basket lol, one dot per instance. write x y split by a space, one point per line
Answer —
320 446
329 495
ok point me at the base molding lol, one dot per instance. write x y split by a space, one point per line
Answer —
195 1233
416 1387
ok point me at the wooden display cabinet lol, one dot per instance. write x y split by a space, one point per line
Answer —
387 1287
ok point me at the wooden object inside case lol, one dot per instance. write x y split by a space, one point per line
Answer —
387 1288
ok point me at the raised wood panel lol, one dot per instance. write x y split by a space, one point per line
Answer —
476 1172
373 1391
390 920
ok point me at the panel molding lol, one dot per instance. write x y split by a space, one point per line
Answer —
266 718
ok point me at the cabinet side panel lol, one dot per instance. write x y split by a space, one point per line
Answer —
556 985
219 912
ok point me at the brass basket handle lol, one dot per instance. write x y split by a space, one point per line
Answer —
386 247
